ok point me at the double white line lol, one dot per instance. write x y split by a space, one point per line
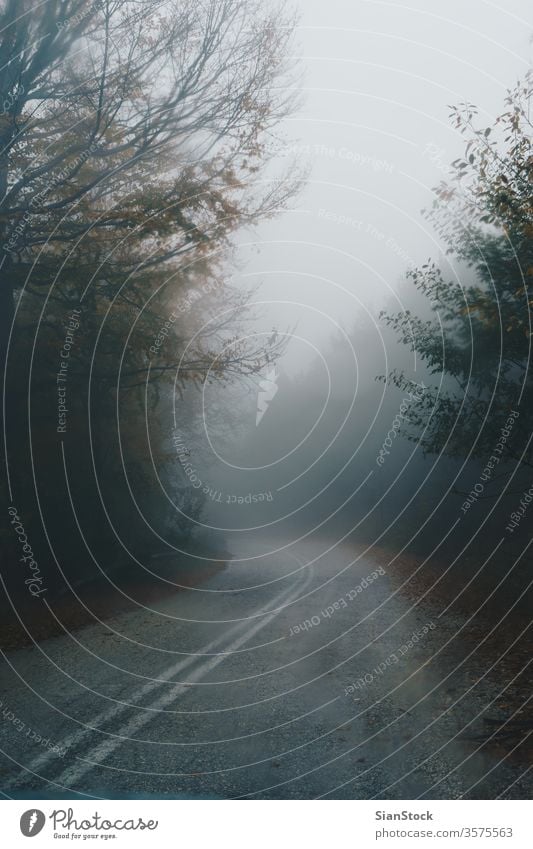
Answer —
96 756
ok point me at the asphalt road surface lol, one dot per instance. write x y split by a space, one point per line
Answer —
296 674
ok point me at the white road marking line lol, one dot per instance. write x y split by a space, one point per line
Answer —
77 737
73 774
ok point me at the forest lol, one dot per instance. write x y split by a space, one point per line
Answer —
133 140
266 278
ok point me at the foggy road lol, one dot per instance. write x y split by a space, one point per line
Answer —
296 674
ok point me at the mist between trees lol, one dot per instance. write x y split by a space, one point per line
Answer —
432 456
133 143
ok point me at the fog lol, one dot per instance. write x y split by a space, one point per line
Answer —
373 133
267 421
377 82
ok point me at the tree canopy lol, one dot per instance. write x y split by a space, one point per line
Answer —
477 341
136 138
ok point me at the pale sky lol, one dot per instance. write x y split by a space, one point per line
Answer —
378 79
